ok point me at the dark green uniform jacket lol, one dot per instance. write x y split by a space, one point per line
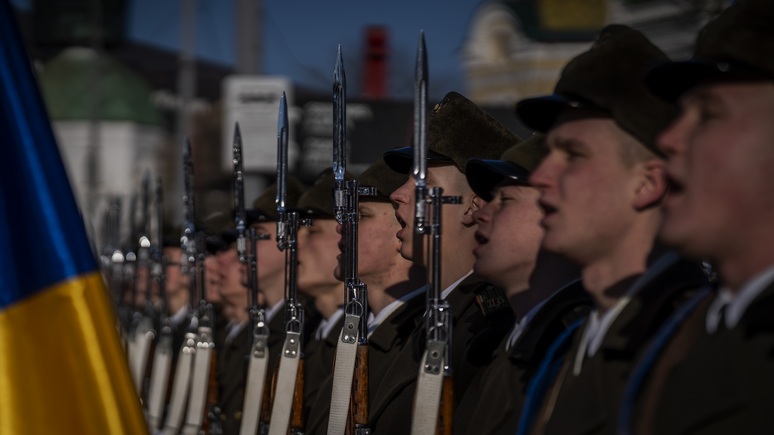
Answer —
480 317
232 358
493 402
718 383
588 403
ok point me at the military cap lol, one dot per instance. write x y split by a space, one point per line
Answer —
317 201
737 46
265 206
458 130
516 163
608 78
220 231
384 179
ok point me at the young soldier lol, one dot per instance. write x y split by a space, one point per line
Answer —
458 131
508 255
715 375
271 261
601 187
395 285
318 247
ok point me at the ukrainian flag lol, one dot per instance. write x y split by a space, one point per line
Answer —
62 369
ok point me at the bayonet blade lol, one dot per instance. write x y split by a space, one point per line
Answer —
282 171
239 196
420 136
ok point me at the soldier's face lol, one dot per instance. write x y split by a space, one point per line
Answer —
508 235
378 248
212 279
587 191
318 247
720 154
271 261
231 272
176 282
454 217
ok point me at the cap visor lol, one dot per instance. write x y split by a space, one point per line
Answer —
484 175
401 160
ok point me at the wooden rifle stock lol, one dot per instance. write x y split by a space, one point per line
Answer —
446 409
297 415
358 405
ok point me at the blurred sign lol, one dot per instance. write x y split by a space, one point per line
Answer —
253 102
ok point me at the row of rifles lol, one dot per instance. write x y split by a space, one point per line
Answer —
184 401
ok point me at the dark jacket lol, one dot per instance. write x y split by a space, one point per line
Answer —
383 346
232 359
480 317
493 402
720 383
588 403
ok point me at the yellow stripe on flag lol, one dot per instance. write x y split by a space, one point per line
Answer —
62 369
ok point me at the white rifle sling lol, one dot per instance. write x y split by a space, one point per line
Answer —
199 379
180 385
427 397
346 353
162 363
286 384
256 377
143 337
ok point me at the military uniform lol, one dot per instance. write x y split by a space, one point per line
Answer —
585 396
384 345
232 365
318 370
493 402
480 319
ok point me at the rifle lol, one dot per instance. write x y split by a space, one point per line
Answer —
144 333
162 358
352 346
290 374
434 393
258 354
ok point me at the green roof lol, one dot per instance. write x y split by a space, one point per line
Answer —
67 85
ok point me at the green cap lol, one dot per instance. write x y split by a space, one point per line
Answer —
458 130
516 164
737 46
384 179
265 206
317 201
607 77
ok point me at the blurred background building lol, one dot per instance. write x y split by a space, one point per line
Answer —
121 105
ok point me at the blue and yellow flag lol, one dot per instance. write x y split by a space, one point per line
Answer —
62 368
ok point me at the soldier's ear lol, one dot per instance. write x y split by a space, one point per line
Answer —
473 204
652 185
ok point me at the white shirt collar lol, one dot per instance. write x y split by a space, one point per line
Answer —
375 321
737 304
179 316
271 312
326 325
445 293
596 326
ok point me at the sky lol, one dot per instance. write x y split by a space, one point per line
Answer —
301 36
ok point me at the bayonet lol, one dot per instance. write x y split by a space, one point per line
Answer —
289 384
420 137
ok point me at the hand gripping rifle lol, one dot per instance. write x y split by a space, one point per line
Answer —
290 378
434 393
352 348
259 340
162 359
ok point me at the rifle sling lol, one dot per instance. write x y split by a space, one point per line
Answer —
162 363
286 384
180 385
427 397
201 372
256 377
346 352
